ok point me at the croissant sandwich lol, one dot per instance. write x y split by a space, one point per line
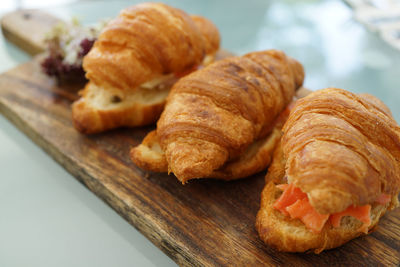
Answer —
334 174
219 121
135 61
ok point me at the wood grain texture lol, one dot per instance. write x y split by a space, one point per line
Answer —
205 222
27 28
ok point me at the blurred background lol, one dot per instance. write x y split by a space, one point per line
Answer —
49 219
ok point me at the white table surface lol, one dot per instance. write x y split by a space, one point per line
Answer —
49 219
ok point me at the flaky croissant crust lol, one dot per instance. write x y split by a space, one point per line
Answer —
342 149
214 114
148 40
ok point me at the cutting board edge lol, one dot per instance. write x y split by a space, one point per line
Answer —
172 250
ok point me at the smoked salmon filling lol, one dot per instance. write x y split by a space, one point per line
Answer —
294 203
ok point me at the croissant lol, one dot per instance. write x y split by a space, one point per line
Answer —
135 61
219 121
334 174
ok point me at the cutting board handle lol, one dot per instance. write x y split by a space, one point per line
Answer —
27 28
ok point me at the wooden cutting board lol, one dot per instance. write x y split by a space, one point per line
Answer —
205 222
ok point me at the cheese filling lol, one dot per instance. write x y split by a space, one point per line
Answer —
160 81
157 82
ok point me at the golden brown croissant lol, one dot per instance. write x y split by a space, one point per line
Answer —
135 61
340 156
213 116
